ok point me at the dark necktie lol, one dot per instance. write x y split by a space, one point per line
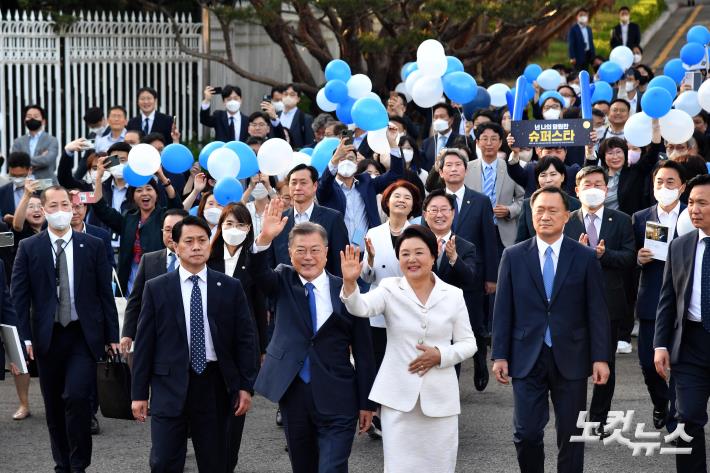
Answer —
456 212
198 353
231 134
705 286
305 372
146 128
64 304
548 278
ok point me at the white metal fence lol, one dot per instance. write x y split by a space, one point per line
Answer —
99 60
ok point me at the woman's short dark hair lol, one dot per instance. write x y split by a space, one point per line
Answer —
387 193
417 160
611 143
365 163
544 164
241 213
190 220
421 232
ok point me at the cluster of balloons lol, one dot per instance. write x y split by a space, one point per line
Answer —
691 54
227 163
144 161
342 89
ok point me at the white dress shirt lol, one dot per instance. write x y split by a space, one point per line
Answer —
597 222
69 252
694 312
458 194
324 306
542 248
669 219
151 119
186 288
624 33
286 118
230 262
304 216
103 143
585 36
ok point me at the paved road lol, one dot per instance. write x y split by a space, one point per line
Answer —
485 436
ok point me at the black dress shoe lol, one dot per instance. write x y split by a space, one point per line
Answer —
601 432
480 373
279 418
659 417
95 428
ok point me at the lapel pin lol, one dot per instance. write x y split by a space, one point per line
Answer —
81 245
244 267
468 201
219 283
610 219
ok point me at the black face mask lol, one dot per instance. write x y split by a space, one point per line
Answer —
33 124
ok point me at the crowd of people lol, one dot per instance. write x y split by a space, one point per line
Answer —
351 297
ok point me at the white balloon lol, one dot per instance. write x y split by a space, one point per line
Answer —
402 89
497 93
676 126
638 129
704 95
623 56
274 156
549 79
427 91
411 80
323 103
223 162
684 225
358 86
377 140
688 102
144 159
297 158
431 58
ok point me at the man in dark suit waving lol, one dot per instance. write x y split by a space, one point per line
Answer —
682 340
307 369
65 278
196 350
550 332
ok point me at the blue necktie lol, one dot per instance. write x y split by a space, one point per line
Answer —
198 354
146 129
440 144
171 265
548 278
705 286
456 213
489 187
305 372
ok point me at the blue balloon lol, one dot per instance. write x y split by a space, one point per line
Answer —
308 151
675 70
177 158
454 64
337 69
248 166
602 92
585 95
228 190
656 102
207 150
529 91
133 179
551 94
323 152
407 69
665 82
336 91
482 101
460 87
510 100
193 211
610 72
343 111
531 72
698 34
692 53
369 114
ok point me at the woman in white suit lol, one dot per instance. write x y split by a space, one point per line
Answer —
416 384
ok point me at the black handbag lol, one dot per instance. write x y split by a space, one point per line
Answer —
113 379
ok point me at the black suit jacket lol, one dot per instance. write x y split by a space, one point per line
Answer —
162 359
338 388
162 124
429 148
474 223
462 275
152 265
7 315
619 257
300 131
525 223
633 38
220 122
105 237
33 285
7 199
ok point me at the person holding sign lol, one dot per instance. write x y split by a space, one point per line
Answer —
668 185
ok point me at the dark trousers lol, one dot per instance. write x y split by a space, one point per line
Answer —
662 393
206 413
602 394
532 412
379 344
317 443
692 381
234 440
67 376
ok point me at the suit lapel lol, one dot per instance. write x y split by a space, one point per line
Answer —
178 309
301 299
214 296
653 214
533 265
46 255
79 261
464 210
564 262
607 222
690 247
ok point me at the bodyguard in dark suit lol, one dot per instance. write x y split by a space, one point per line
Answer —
65 278
682 339
303 186
7 315
445 133
669 184
18 168
611 234
229 124
550 332
150 120
625 33
580 42
195 350
307 369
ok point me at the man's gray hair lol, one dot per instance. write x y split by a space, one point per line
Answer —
453 152
321 121
307 228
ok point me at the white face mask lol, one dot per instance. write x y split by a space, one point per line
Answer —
563 79
117 171
90 177
290 101
408 155
666 196
568 102
347 168
97 131
233 106
59 220
525 155
634 156
637 58
592 198
278 106
583 19
212 215
600 132
629 86
233 236
19 181
576 89
260 191
440 125
551 114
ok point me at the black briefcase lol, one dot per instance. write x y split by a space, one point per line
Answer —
113 379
